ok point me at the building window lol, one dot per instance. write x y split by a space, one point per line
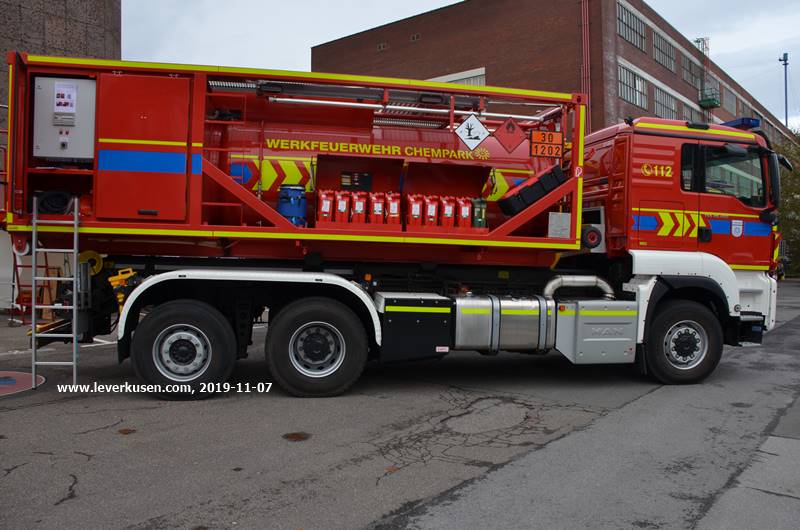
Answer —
631 28
664 104
729 101
474 77
415 37
712 83
692 72
632 88
663 51
692 114
382 46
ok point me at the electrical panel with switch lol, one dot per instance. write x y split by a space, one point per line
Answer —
63 118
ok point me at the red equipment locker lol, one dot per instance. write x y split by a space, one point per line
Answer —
325 203
393 208
415 204
142 152
464 217
377 208
342 207
431 210
359 207
447 212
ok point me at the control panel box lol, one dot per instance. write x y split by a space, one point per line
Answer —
63 118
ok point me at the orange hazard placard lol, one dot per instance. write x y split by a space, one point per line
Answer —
547 143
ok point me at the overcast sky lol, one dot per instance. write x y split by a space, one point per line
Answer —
747 36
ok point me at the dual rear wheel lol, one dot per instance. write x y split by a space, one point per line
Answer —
315 347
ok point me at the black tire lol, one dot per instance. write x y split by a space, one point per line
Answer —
686 326
172 321
326 324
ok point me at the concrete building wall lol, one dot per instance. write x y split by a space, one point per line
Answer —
78 28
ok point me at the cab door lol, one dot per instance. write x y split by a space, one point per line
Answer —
663 193
733 193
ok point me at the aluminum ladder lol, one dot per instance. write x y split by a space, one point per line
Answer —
36 223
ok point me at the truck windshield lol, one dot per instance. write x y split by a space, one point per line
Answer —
738 176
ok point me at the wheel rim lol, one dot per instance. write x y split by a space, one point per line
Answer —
317 349
686 344
182 352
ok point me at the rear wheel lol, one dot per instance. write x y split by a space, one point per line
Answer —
184 342
316 347
684 343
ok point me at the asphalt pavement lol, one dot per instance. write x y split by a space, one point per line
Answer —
466 442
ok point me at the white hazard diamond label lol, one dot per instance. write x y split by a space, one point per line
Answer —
472 132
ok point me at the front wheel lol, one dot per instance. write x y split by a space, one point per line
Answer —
684 343
316 347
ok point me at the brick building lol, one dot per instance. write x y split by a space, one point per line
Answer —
629 59
77 28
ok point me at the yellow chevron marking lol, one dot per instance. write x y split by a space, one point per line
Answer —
667 224
293 175
268 176
698 223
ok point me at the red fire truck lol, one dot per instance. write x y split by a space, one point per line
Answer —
378 219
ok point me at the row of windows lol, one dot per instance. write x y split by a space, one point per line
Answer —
631 28
663 52
382 46
666 106
692 73
632 88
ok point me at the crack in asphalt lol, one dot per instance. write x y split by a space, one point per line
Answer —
102 428
70 491
7 471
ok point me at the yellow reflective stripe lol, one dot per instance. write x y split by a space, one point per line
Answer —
580 208
776 253
301 236
749 267
609 313
414 309
197 144
683 128
567 313
392 81
255 157
116 230
528 172
9 217
579 143
720 214
140 142
124 64
519 311
475 311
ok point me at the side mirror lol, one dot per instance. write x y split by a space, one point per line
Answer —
769 216
785 163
